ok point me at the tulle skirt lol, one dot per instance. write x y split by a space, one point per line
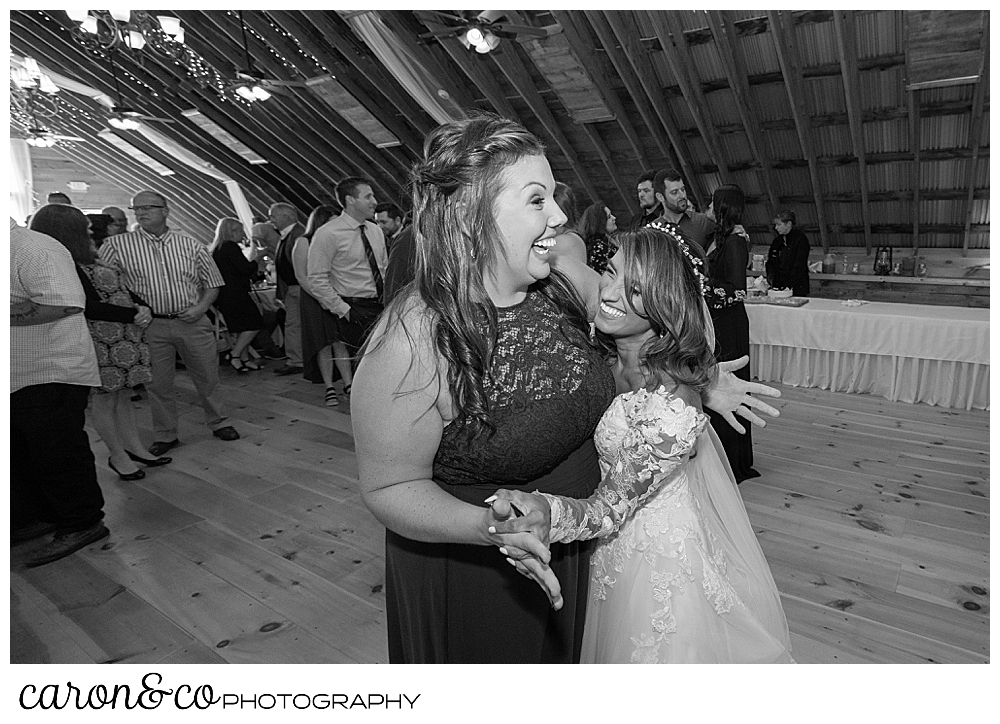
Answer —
684 580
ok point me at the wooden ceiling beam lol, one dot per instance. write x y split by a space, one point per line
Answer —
913 113
623 26
788 59
312 42
305 114
609 163
757 25
574 32
676 54
733 61
475 68
47 42
339 34
976 132
431 56
846 34
609 44
507 58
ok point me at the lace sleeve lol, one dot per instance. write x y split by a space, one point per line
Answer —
661 433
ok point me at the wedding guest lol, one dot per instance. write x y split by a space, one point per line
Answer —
238 265
727 258
596 226
53 481
787 265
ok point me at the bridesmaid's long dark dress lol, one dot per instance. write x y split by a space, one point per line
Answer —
727 272
455 603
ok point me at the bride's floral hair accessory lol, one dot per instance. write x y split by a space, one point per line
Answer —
697 263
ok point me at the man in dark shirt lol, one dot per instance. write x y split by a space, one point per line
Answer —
651 208
672 195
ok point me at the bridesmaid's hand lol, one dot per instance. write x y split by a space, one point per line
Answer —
517 511
729 394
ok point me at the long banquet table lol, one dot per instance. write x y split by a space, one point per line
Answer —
904 352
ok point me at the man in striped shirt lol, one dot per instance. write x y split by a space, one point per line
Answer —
176 275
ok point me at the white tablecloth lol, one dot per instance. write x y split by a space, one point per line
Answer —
905 352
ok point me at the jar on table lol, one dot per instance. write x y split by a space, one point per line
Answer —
830 264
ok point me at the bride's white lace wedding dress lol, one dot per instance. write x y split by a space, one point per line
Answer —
678 575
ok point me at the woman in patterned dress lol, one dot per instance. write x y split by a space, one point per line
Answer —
596 226
117 319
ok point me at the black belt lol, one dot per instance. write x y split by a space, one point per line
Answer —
166 316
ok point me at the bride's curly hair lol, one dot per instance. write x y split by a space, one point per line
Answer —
663 272
457 240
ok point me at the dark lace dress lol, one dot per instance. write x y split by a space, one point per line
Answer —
454 603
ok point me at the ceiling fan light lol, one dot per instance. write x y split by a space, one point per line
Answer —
135 40
21 78
130 124
90 24
31 67
245 93
116 122
31 141
77 16
45 85
475 36
179 35
490 41
122 16
260 94
171 25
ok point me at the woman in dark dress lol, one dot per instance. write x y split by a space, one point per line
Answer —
728 257
787 263
319 327
239 270
478 376
596 225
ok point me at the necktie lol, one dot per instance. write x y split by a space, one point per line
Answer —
370 256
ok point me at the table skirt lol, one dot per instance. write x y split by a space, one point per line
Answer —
946 383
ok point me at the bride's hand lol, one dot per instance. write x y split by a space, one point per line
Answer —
517 511
731 395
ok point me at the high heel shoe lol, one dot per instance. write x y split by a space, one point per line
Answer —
137 475
237 364
151 462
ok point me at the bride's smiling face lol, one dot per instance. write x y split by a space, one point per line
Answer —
616 316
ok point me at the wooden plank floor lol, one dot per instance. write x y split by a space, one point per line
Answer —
873 515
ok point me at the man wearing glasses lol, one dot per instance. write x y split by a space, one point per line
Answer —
177 276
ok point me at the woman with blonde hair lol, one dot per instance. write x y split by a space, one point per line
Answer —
239 269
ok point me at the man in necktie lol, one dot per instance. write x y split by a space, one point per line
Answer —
285 220
347 263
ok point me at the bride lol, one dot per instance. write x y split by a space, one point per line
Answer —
677 575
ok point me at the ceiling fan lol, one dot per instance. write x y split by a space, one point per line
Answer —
42 137
123 117
482 30
251 85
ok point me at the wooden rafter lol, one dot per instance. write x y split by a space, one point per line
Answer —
976 132
404 27
609 44
733 61
507 58
588 59
608 161
405 112
786 47
676 53
846 32
628 36
476 72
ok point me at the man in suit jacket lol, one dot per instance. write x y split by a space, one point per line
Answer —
285 220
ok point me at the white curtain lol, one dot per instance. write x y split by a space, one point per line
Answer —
165 144
408 71
21 184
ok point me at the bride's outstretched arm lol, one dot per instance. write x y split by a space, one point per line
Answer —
729 394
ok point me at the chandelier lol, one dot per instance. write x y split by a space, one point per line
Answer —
33 96
106 31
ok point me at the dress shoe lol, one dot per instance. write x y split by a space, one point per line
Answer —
149 462
288 370
273 354
137 475
227 433
65 543
30 531
158 448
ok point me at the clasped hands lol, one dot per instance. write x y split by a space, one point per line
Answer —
519 522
